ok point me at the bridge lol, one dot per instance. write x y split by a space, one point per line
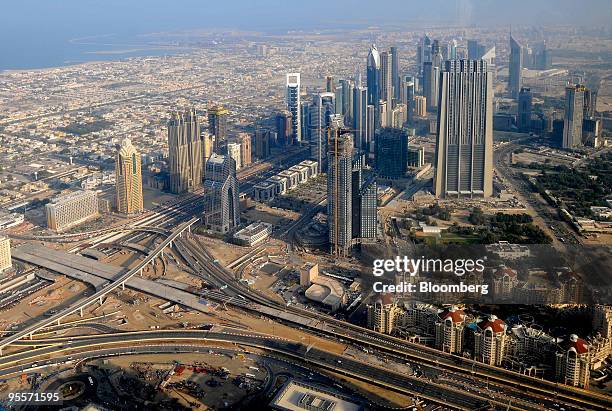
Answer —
99 295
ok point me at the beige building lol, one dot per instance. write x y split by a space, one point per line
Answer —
185 152
383 314
308 273
128 177
245 149
420 106
233 150
449 330
5 253
69 210
490 341
574 362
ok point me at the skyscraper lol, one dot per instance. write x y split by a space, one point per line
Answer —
323 107
222 210
262 143
475 50
347 99
391 152
293 105
184 152
217 125
386 81
339 193
423 51
364 198
431 75
233 151
452 50
574 112
283 128
373 76
464 149
360 118
524 109
395 73
245 149
515 68
128 179
329 84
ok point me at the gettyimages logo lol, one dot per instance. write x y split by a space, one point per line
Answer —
413 266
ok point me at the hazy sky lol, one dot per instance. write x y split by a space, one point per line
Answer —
35 33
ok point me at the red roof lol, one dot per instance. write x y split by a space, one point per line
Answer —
457 316
577 344
495 324
505 271
385 299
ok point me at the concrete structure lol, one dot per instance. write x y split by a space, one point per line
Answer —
312 166
298 396
280 184
5 254
294 106
69 210
360 118
9 220
253 234
464 155
574 112
309 272
245 149
185 152
292 177
573 362
128 179
490 341
328 292
515 68
222 210
234 151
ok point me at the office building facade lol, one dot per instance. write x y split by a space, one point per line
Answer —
294 106
464 149
128 179
339 193
217 125
5 254
185 152
391 152
515 67
525 99
222 209
574 112
69 210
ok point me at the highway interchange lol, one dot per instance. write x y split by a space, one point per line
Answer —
531 393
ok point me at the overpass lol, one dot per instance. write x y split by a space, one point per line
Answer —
97 296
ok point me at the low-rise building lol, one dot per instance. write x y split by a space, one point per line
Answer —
573 362
253 234
264 191
69 210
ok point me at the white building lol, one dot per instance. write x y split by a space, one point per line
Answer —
234 151
253 234
72 209
5 254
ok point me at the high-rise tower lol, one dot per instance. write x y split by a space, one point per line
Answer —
395 73
524 109
360 118
339 193
293 105
184 152
515 68
464 149
373 76
323 107
217 125
222 210
128 179
574 112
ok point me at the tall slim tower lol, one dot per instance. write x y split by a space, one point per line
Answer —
524 109
574 112
395 73
360 118
515 68
464 149
431 75
185 152
339 193
217 125
322 109
373 76
293 105
386 82
128 179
